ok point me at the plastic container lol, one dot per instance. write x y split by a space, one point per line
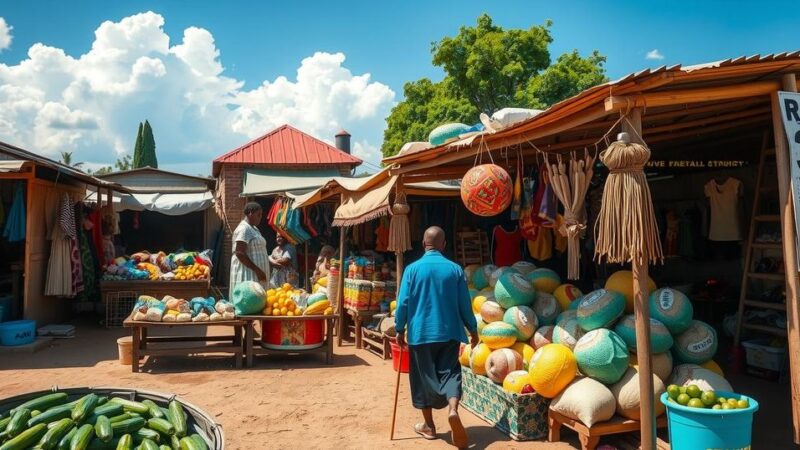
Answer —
396 363
125 347
760 354
698 428
292 334
17 332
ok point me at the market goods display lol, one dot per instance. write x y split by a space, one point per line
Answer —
498 335
160 266
697 344
171 309
526 351
446 132
486 190
498 273
626 393
524 321
480 278
672 308
517 381
686 374
552 368
248 297
546 308
480 322
512 289
660 339
491 312
660 363
566 294
58 420
542 337
478 357
599 309
477 302
469 271
501 362
463 356
544 280
602 355
567 332
288 301
586 400
693 396
524 267
621 281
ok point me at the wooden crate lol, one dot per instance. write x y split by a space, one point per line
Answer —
472 247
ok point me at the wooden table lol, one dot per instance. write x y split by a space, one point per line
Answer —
590 436
253 347
205 344
358 317
187 289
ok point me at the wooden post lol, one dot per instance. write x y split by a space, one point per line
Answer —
340 287
306 281
783 159
399 269
642 314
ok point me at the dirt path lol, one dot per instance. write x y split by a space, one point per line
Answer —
282 403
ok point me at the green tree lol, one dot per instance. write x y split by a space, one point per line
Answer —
148 147
101 171
137 147
487 68
124 163
66 159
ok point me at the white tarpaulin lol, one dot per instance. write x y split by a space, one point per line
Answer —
269 182
169 204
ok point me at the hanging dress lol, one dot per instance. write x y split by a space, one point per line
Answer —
14 230
506 246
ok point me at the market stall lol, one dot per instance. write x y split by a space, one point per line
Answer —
703 139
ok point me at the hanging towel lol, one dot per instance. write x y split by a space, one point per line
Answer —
14 230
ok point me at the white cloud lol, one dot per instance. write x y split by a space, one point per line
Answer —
91 104
5 34
654 54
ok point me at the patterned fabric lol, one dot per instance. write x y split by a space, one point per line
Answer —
66 218
256 251
87 262
521 417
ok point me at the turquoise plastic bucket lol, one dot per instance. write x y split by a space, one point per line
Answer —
701 429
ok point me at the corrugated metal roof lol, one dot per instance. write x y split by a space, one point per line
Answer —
149 179
284 146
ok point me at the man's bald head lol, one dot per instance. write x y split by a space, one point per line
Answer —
434 239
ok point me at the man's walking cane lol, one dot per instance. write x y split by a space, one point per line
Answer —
396 392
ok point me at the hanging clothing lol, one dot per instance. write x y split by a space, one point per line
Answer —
724 201
87 266
382 235
548 207
59 266
560 242
506 246
541 247
14 230
256 251
96 235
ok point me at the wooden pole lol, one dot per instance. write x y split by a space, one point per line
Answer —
306 281
642 314
340 286
783 159
396 386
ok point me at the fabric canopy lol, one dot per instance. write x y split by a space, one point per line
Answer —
168 204
270 182
362 206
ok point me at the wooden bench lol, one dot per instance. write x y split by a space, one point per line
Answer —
590 436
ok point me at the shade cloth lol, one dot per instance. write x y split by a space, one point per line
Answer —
363 206
269 181
169 204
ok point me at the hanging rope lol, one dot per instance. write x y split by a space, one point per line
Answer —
626 228
399 229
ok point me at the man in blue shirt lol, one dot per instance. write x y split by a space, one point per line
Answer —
434 304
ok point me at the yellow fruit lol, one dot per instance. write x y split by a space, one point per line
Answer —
289 313
318 307
284 310
328 311
286 287
270 292
268 311
282 302
276 312
276 305
290 304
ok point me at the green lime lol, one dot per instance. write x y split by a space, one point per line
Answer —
708 398
716 406
674 391
696 403
733 402
693 391
683 399
743 404
727 406
682 389
722 400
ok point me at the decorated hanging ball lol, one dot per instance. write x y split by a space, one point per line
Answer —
566 294
622 281
486 190
544 280
477 302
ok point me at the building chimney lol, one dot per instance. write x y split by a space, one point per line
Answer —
343 141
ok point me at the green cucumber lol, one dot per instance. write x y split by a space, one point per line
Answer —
102 401
82 437
55 433
145 433
35 413
97 444
163 426
26 439
4 422
44 402
103 429
147 444
52 415
164 447
175 442
155 411
177 418
129 405
188 443
128 426
18 422
199 441
125 442
84 407
63 444
109 410
121 417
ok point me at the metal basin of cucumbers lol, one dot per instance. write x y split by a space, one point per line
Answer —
80 421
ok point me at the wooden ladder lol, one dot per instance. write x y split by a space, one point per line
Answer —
760 248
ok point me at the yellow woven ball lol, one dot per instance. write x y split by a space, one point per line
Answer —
515 381
477 302
526 351
551 369
566 294
622 281
463 358
478 357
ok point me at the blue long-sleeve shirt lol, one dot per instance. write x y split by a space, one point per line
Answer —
434 301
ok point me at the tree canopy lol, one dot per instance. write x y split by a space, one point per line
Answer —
144 150
488 68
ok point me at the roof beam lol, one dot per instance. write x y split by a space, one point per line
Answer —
677 97
709 120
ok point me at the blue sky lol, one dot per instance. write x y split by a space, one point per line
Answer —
263 41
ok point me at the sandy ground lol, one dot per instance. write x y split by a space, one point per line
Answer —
292 402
